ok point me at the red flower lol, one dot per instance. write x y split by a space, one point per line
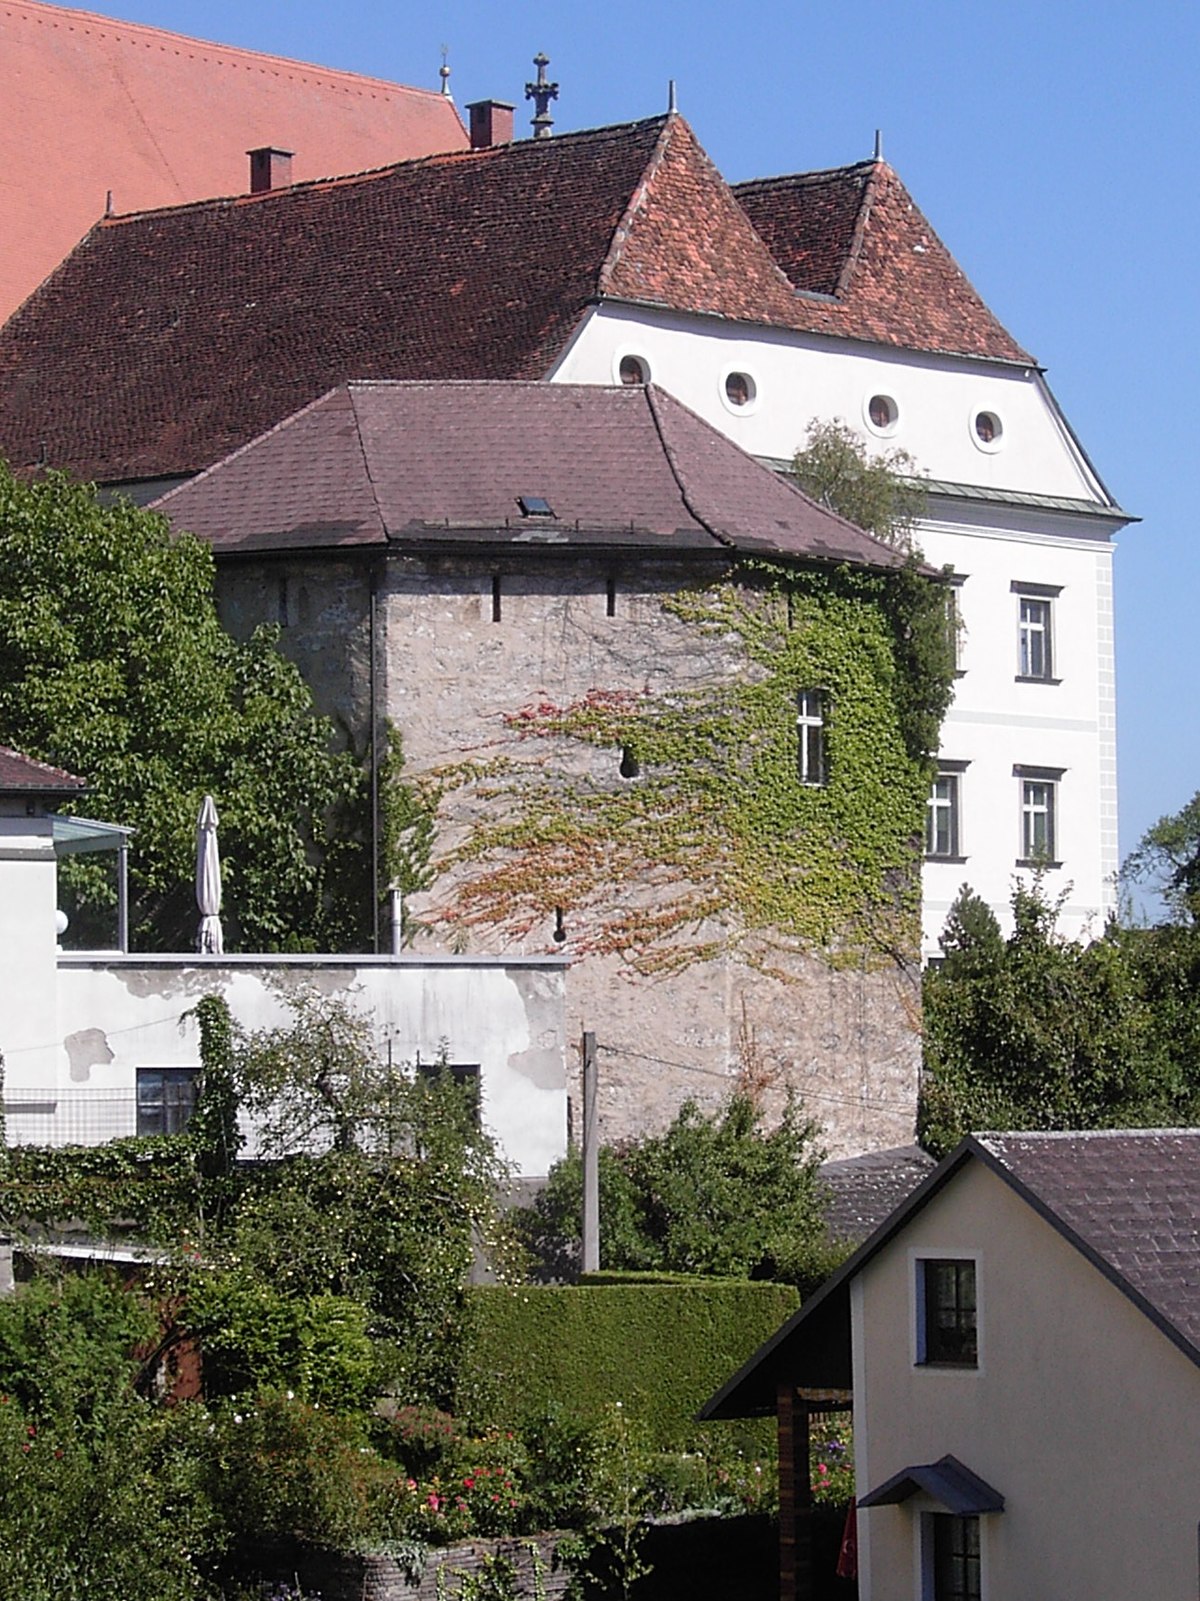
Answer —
469 1483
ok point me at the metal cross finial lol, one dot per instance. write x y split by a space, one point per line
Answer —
541 93
444 69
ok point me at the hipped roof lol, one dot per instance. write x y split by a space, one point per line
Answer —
92 105
22 775
1128 1200
445 464
170 338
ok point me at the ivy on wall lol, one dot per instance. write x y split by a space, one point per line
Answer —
698 837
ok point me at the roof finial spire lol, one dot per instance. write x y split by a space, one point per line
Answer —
879 144
541 93
671 105
444 72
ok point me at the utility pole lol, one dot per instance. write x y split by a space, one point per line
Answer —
591 1160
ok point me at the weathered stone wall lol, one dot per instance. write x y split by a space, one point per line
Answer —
466 642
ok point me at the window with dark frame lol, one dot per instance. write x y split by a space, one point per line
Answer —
811 709
957 1572
166 1098
950 1336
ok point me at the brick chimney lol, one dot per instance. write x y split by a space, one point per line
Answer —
491 123
269 169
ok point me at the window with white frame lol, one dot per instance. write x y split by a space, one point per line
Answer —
811 712
1039 815
1035 631
943 815
954 621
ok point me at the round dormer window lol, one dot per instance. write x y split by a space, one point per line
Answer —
881 413
739 391
633 370
987 430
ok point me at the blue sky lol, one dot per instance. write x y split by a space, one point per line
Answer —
1049 143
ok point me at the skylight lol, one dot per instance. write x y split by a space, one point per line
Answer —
534 506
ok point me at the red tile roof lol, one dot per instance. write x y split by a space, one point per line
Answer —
855 234
373 463
170 338
92 105
21 774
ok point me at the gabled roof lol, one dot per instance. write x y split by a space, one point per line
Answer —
22 775
169 338
434 464
1127 1199
92 105
855 235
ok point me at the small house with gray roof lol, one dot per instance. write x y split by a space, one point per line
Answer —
1020 1342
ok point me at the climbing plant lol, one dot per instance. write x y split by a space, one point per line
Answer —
701 811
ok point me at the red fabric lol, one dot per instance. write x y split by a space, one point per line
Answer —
847 1562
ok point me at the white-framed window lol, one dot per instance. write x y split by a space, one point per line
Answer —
947 1311
166 1098
881 414
1038 787
739 391
951 1557
955 625
811 712
943 814
1035 631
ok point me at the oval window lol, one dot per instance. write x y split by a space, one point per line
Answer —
882 413
989 430
633 370
739 389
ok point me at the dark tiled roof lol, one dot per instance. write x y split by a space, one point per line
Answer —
21 774
864 1190
379 461
855 233
1132 1198
92 105
170 338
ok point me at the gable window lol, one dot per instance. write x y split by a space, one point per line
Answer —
954 1564
942 817
1039 815
947 1334
811 705
166 1098
1035 631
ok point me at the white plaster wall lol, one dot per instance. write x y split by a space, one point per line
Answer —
28 987
118 1014
996 722
1081 1413
801 376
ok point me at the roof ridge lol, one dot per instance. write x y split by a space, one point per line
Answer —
652 393
858 236
352 396
809 175
635 204
55 16
373 174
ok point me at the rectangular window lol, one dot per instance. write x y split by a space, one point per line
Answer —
466 1075
942 818
956 1566
948 1335
810 736
954 622
1035 631
166 1097
1039 815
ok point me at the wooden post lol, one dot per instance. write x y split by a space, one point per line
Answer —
591 1160
795 1496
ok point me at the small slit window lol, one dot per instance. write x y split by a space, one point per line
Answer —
811 712
630 765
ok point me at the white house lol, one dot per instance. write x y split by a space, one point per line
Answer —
96 1045
1021 1341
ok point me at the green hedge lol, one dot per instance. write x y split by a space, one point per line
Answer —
659 1349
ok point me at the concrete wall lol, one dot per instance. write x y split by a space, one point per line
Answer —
1080 1412
117 1014
28 981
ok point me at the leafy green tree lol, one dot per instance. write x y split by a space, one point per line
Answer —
877 491
716 1194
113 664
1168 859
1041 1032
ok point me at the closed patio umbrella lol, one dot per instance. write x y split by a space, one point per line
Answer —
209 939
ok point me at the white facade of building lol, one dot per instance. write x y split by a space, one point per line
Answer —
1015 508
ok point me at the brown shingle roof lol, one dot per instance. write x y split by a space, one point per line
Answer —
375 462
92 105
23 775
855 234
